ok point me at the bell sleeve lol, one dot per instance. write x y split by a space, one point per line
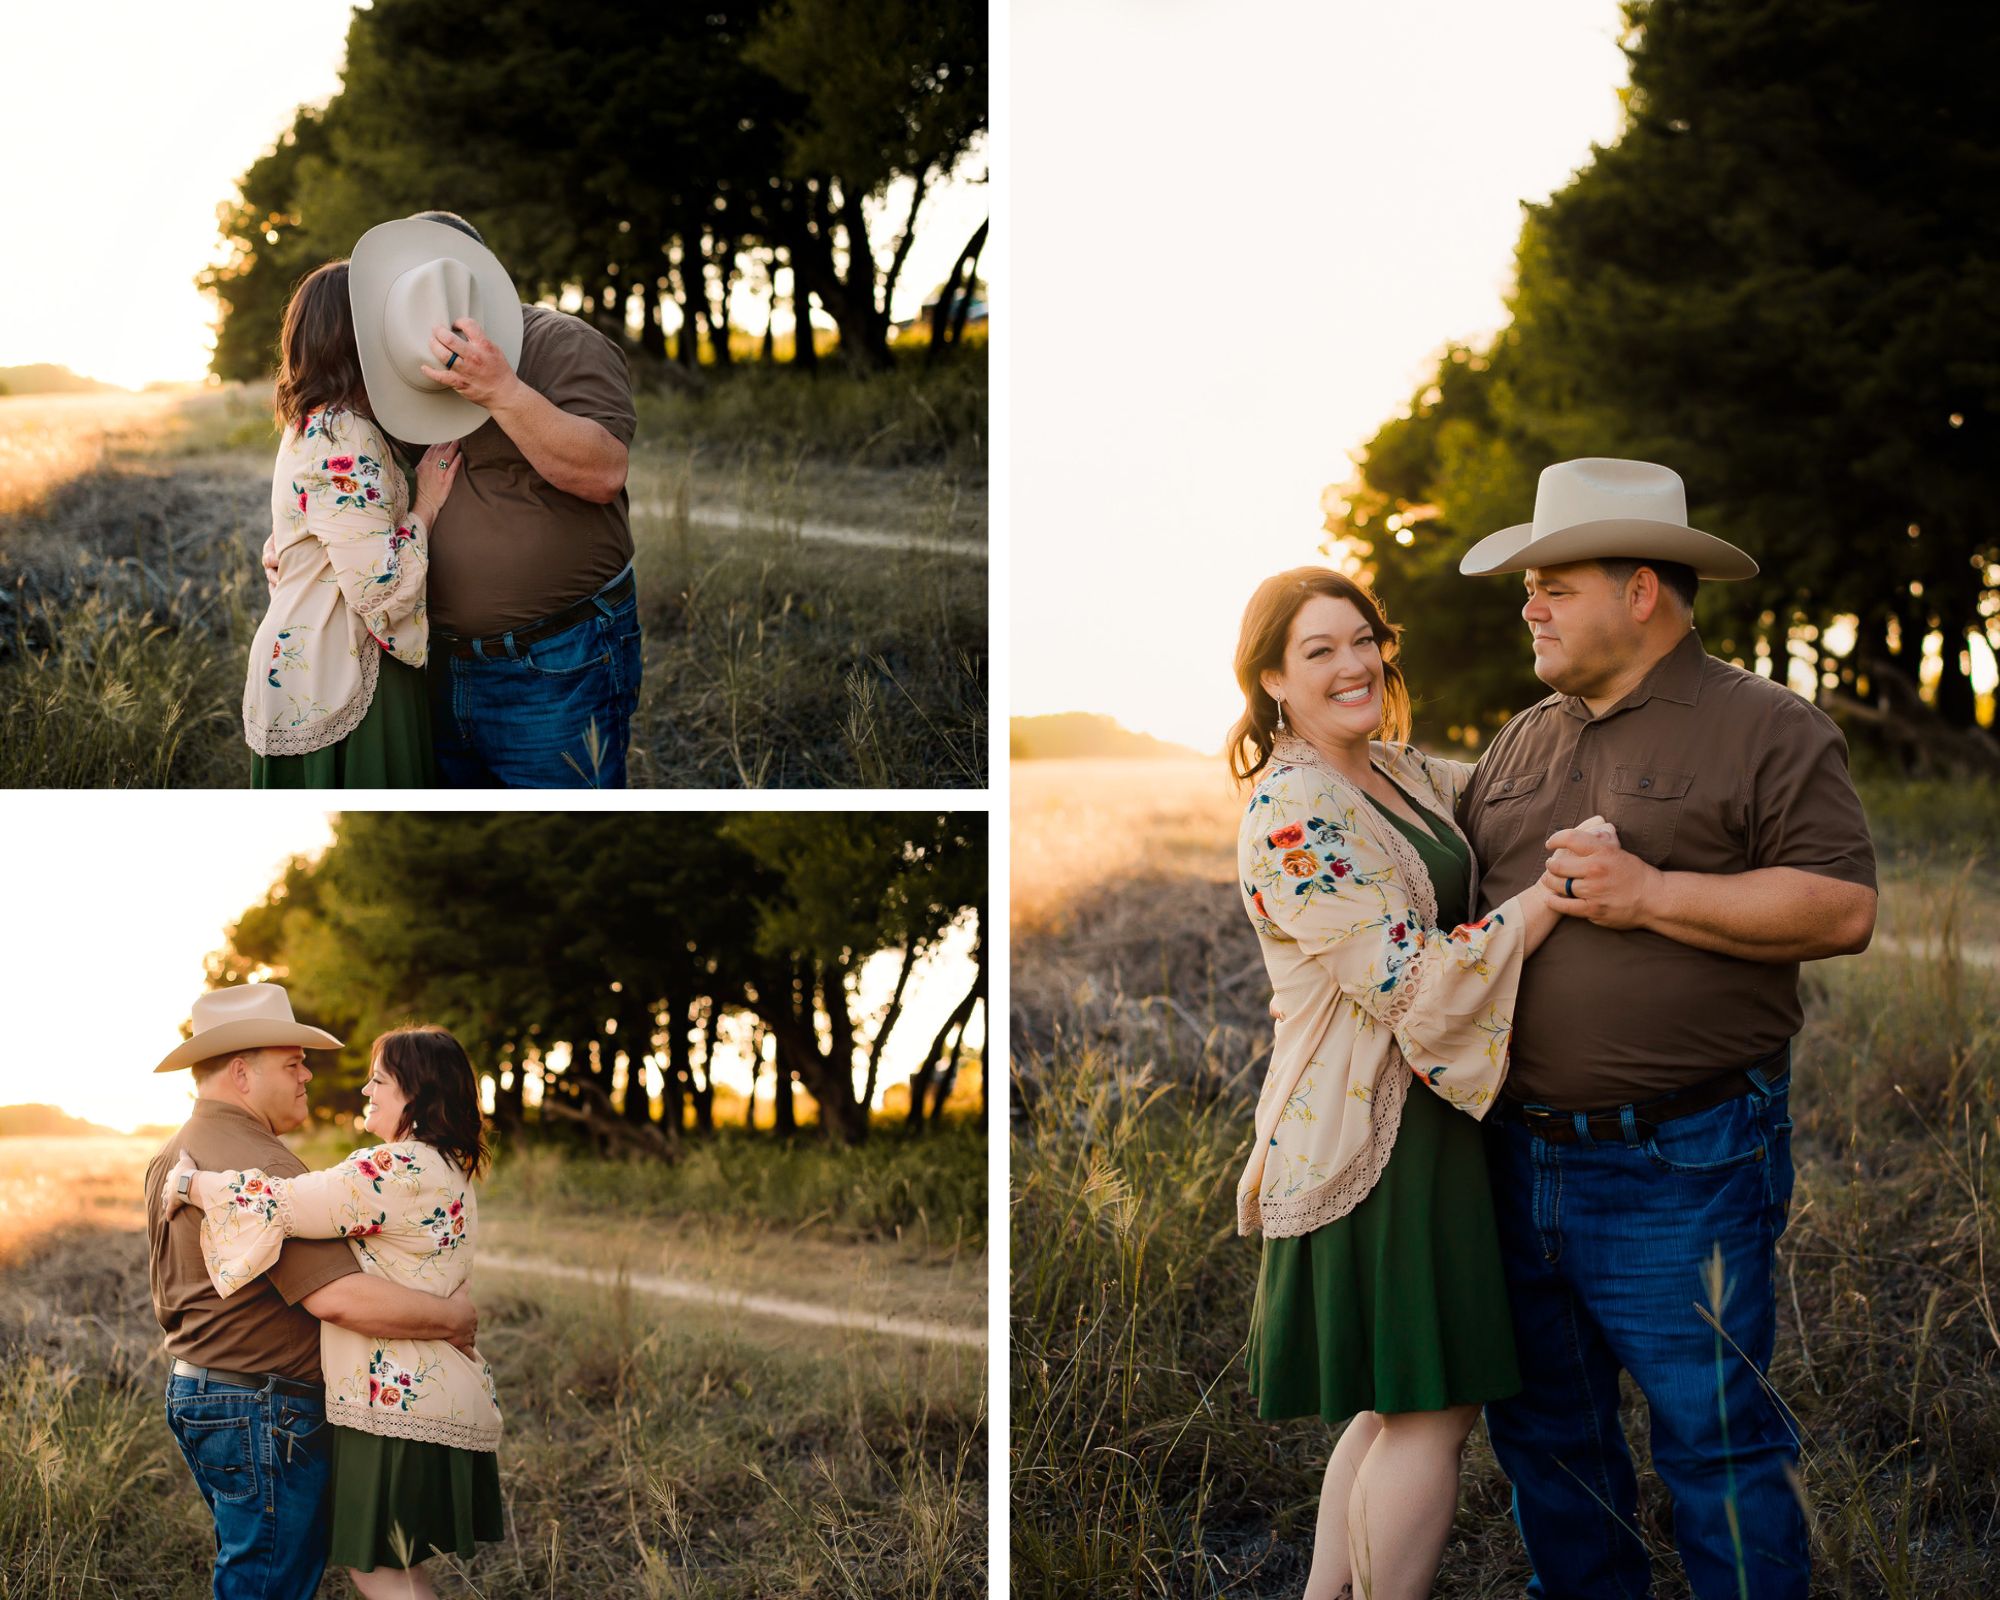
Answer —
1314 876
380 562
251 1214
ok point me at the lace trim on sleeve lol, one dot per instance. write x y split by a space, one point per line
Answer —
1301 1213
302 741
482 1436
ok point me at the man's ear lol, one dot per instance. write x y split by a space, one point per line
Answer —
1642 595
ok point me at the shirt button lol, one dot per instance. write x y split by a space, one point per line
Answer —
1509 784
1576 777
1645 783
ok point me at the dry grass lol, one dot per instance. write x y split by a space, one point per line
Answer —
652 1448
129 586
1139 1466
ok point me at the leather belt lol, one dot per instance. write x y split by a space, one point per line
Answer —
246 1380
494 646
1559 1127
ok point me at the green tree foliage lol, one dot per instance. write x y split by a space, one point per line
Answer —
1783 280
625 150
614 934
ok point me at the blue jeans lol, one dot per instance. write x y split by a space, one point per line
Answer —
260 1458
1609 1248
555 714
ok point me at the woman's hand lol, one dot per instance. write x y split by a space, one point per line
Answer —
271 560
170 1189
436 473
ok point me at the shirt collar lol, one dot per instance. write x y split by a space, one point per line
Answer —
223 1111
1676 676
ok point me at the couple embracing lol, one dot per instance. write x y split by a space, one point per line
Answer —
468 617
324 1386
1525 1124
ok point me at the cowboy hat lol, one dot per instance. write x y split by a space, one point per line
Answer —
245 1016
1601 506
404 279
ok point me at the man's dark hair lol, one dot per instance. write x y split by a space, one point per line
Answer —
451 219
440 1091
1675 576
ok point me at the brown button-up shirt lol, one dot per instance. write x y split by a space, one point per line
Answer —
1702 768
261 1327
509 548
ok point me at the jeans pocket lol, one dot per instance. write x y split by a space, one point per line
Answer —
221 1454
295 1427
1717 1140
575 650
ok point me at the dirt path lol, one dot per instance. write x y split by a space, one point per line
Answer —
735 519
738 1300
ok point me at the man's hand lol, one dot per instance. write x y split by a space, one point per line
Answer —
1590 875
464 1316
271 560
480 372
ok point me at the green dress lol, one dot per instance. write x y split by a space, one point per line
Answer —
400 1501
1400 1305
390 748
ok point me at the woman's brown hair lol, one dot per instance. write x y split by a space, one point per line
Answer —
1260 648
440 1090
319 363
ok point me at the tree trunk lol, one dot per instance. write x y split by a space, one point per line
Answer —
771 315
635 1027
888 1021
686 351
971 287
652 331
949 1079
784 1114
942 314
864 331
927 1073
704 1093
674 1074
718 316
509 1109
895 272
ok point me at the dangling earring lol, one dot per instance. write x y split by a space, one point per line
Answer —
1281 714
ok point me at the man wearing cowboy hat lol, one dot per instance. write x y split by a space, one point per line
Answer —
534 613
245 1395
1640 1151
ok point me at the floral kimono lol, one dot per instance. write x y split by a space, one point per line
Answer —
409 1215
351 570
1370 992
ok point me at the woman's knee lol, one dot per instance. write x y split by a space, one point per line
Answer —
1448 1426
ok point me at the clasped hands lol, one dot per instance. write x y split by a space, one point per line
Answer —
1592 876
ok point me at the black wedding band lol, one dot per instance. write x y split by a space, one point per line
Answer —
1569 888
449 360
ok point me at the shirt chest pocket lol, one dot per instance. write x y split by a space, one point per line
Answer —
1646 804
1503 812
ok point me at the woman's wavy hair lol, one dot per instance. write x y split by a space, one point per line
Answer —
1260 648
319 363
436 1077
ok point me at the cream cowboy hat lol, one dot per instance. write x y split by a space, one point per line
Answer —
403 280
1601 506
245 1016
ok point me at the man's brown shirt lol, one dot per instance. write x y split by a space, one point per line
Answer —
261 1327
1702 768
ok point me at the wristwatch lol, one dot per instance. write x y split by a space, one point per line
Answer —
181 1186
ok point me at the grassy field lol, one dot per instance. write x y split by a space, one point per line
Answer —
1139 1027
653 1448
780 652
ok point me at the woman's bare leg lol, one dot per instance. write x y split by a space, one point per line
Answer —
1404 1497
1332 1575
386 1583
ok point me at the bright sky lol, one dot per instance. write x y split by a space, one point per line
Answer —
128 122
107 924
1240 236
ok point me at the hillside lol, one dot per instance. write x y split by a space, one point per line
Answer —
46 378
48 1122
1068 735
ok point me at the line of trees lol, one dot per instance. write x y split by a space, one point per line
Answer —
1783 280
613 938
640 153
